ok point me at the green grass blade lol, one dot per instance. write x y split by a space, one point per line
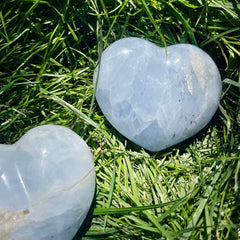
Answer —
154 23
185 23
195 218
231 82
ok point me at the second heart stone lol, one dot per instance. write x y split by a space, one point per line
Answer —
157 98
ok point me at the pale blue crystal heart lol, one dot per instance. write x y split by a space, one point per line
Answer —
47 185
157 98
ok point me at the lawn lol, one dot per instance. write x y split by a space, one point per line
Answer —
48 53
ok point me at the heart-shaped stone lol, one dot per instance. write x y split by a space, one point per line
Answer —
157 98
47 185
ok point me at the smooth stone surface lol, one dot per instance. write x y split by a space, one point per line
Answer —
47 185
153 99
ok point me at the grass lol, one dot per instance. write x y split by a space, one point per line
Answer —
48 52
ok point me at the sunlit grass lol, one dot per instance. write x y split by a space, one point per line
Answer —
48 52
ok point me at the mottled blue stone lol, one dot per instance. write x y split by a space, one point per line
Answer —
47 185
157 98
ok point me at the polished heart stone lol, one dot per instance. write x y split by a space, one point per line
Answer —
156 98
47 185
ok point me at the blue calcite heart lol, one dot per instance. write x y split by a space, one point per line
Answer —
47 185
153 97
